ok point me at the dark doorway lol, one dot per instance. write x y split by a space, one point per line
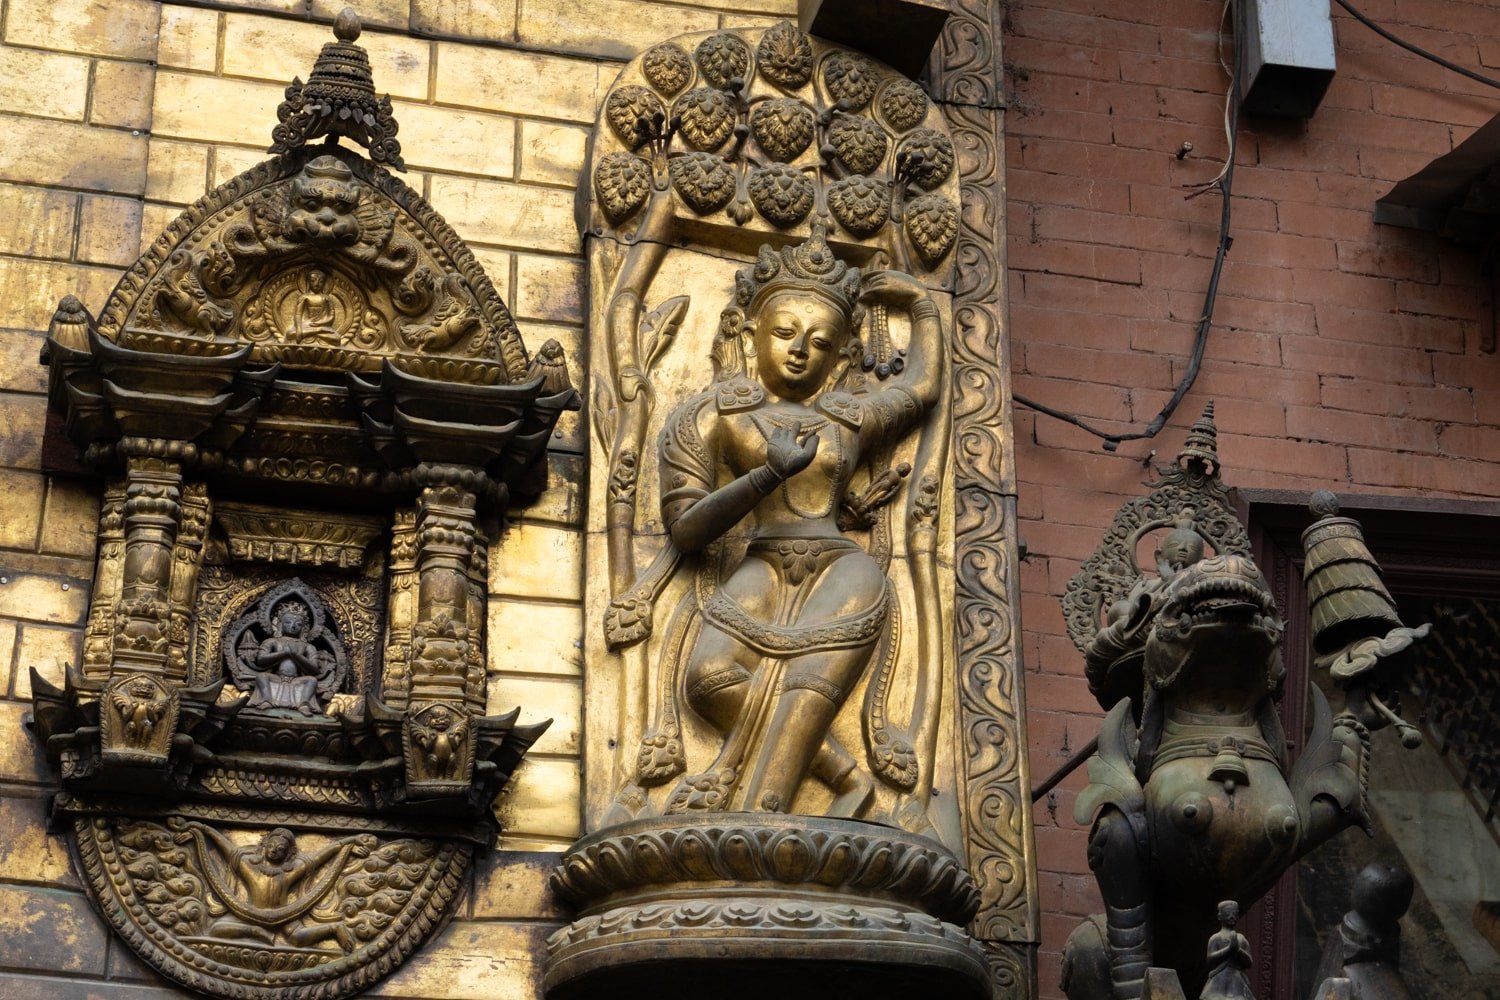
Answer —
1434 809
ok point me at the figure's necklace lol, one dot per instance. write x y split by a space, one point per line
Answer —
798 426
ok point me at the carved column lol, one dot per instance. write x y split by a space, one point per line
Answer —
153 491
187 554
438 746
99 634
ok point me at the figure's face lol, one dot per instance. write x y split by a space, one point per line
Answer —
1180 548
315 280
797 342
278 849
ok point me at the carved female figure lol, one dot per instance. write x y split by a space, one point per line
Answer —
791 629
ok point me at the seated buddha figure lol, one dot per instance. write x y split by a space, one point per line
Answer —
769 453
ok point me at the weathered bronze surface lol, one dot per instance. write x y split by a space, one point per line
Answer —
1189 794
1365 949
770 605
308 405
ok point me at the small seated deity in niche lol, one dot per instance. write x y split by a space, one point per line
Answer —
285 657
316 315
771 450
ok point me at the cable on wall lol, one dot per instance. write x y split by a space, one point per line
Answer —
1224 184
1416 49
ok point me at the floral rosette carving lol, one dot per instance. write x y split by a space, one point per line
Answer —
783 127
859 142
851 79
932 225
668 68
622 182
625 109
722 57
860 204
783 194
785 56
771 128
927 156
903 104
706 117
703 180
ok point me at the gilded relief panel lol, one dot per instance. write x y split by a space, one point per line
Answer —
770 551
307 409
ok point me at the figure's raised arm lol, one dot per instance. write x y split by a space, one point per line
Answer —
904 399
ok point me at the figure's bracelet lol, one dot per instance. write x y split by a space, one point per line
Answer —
764 479
924 309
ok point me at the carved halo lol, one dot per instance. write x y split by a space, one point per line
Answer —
1189 487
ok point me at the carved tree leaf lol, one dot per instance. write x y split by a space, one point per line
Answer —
602 415
660 325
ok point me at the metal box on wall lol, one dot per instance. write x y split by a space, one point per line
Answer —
1288 56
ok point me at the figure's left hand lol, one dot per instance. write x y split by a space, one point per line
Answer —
893 288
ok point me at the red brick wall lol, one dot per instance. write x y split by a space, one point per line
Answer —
1343 354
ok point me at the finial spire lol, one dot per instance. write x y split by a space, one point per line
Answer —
339 100
1202 444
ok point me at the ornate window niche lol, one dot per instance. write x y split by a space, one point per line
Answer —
309 408
772 687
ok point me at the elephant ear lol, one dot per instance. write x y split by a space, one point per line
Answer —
1112 780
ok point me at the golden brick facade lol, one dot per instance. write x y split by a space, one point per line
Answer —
120 113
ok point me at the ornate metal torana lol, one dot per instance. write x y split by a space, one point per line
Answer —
308 405
771 768
1190 794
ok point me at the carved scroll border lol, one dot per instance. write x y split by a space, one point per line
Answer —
967 84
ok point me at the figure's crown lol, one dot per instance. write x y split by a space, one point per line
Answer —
811 266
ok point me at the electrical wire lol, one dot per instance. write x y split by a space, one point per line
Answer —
1417 49
1224 184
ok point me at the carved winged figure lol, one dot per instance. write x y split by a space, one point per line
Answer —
769 453
268 887
440 736
140 706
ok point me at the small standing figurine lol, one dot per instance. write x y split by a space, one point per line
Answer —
1228 959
